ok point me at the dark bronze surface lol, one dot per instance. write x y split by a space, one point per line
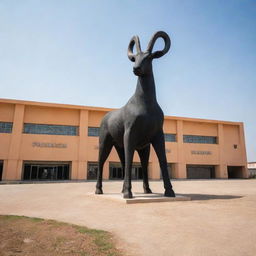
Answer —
139 123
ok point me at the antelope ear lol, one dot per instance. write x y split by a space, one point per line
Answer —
134 41
151 43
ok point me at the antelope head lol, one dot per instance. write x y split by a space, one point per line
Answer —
143 60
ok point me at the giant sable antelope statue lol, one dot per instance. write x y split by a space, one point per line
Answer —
138 124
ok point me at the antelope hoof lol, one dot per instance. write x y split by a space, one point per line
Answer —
169 193
127 194
98 191
147 191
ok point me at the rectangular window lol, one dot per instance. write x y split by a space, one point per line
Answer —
170 137
50 129
5 127
199 139
93 131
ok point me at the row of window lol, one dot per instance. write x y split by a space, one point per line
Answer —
51 129
199 139
169 137
6 127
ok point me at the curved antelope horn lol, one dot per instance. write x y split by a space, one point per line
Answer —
134 41
151 43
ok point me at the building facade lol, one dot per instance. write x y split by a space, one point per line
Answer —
44 141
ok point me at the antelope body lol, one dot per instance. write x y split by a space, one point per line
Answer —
138 124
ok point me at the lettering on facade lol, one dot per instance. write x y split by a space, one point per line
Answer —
198 152
48 145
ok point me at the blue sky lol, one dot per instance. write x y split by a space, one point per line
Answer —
75 52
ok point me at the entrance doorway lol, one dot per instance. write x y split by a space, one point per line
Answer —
116 171
46 171
92 171
1 170
200 172
235 172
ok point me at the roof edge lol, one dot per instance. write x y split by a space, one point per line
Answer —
104 109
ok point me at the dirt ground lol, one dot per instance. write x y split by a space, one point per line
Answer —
219 220
33 236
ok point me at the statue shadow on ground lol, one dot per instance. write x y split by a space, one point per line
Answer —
199 197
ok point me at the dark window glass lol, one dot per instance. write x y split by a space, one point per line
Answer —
50 129
94 131
60 172
136 173
66 172
5 127
46 172
34 170
92 171
170 137
120 174
200 139
116 171
26 175
200 172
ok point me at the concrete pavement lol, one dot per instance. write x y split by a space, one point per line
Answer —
220 219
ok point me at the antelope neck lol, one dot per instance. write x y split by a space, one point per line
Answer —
146 87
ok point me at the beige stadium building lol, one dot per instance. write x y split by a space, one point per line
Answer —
45 141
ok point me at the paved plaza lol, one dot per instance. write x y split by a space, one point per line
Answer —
219 220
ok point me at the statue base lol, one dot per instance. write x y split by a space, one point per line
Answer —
141 198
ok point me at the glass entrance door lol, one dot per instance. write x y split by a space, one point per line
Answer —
116 172
137 173
46 171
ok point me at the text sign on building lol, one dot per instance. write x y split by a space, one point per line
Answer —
198 152
48 145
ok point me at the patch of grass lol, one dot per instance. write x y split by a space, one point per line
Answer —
16 217
55 223
101 238
65 237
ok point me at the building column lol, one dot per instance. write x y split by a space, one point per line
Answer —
155 173
82 146
181 170
74 170
150 170
221 171
13 166
82 170
245 173
180 167
105 174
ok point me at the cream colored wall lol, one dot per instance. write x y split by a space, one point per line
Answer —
231 138
18 147
205 129
47 115
6 112
95 118
170 126
5 139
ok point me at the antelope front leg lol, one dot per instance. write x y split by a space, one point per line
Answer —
129 152
159 146
144 156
